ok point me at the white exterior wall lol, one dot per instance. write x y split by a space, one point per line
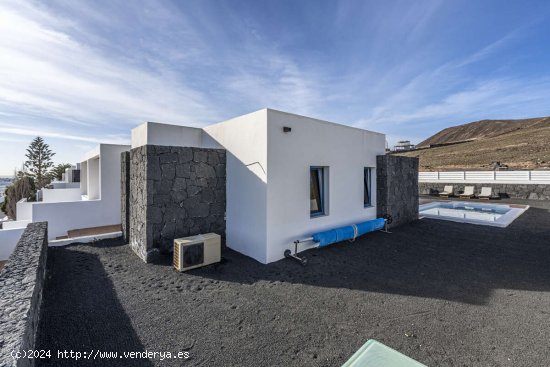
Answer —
346 151
245 140
59 195
154 133
139 135
8 241
172 134
24 210
93 178
110 183
84 178
68 175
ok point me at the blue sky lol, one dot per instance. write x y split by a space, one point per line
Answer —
78 73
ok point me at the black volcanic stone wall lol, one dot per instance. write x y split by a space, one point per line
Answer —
397 188
516 191
124 194
174 192
21 286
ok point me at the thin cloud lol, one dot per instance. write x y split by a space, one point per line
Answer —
498 98
449 94
277 82
108 139
43 69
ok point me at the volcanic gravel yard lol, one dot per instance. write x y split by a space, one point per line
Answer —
444 293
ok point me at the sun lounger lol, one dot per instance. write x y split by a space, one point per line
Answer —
447 191
468 192
486 193
376 354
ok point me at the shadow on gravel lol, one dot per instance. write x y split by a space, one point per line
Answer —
81 312
427 258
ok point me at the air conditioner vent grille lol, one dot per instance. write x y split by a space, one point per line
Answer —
193 254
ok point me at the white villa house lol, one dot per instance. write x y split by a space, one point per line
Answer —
262 181
287 176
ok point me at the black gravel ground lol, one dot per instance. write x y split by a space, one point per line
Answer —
444 293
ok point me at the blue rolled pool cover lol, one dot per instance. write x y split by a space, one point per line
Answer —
331 236
370 226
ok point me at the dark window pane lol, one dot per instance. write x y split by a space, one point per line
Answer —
367 186
316 191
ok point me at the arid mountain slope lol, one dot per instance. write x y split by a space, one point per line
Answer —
520 145
483 129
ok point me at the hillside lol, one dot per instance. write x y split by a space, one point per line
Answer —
520 144
483 129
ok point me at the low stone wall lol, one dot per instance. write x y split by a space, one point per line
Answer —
174 192
397 188
518 191
21 285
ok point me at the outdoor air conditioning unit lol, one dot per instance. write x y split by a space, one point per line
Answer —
196 251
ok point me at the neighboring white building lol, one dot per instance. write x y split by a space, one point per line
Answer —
287 175
403 145
72 174
95 202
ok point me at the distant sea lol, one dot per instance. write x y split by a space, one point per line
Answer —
4 181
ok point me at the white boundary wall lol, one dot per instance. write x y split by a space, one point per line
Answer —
60 195
13 224
64 185
8 240
512 177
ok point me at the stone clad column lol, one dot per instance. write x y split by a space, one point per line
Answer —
125 194
174 192
397 188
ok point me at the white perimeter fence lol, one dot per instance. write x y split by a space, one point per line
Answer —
519 177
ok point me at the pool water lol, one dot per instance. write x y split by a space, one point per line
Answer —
499 215
462 210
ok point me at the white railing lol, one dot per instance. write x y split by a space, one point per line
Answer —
540 176
428 176
526 177
451 176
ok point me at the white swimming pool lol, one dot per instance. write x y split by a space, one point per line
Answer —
497 215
